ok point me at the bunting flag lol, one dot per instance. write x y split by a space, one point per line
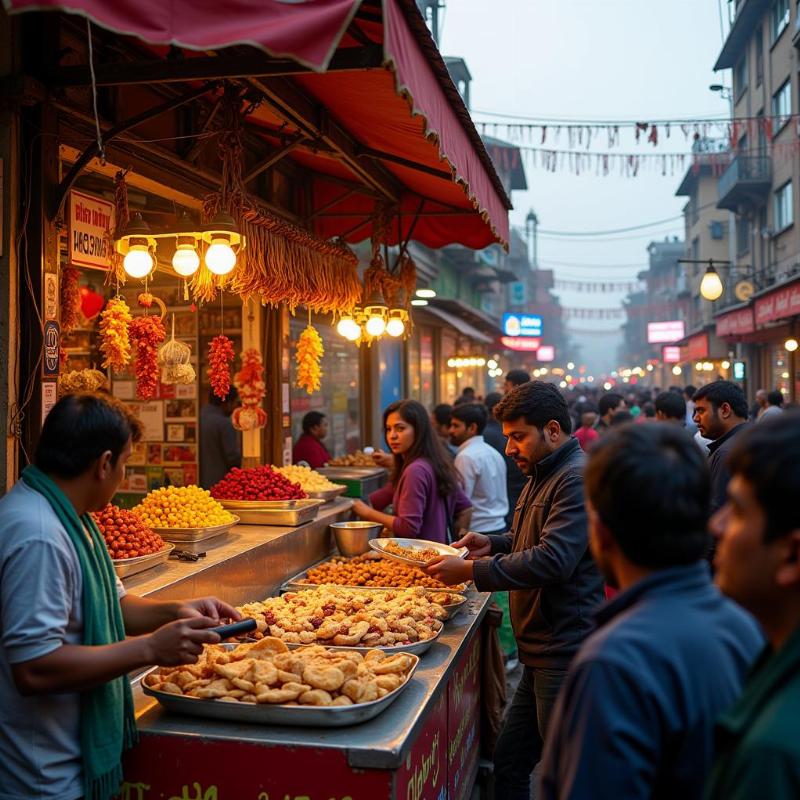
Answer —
599 287
650 310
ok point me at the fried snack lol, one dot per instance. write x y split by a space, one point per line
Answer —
255 673
347 617
357 459
421 554
370 571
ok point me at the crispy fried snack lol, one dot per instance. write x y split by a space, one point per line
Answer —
348 617
257 673
421 554
370 571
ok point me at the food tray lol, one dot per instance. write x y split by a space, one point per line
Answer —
264 714
379 546
192 535
274 512
125 567
327 494
300 581
414 648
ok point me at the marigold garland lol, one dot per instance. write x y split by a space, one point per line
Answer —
115 342
147 334
249 380
308 355
220 355
70 299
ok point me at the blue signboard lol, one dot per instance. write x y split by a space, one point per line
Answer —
522 325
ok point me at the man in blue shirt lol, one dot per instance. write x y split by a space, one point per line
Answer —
636 713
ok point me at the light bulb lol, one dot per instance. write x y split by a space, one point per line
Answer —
395 327
376 325
185 261
220 258
138 262
348 328
699 366
676 370
726 365
790 345
419 302
711 285
426 293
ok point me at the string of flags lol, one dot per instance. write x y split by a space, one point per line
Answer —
650 310
598 287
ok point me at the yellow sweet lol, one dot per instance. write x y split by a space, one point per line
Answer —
182 507
310 480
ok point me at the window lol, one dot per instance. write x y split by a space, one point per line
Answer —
742 235
759 55
779 18
781 106
694 208
784 215
740 77
696 249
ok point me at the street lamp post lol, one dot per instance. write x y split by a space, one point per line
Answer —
531 226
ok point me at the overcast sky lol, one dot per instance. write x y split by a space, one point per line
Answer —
583 59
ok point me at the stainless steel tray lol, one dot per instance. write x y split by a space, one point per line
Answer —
415 648
332 472
268 714
328 494
125 567
379 546
192 535
274 512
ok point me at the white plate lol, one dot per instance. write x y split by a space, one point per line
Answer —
379 545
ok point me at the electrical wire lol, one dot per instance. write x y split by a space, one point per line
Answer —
100 149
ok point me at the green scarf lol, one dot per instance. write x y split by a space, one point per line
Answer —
108 724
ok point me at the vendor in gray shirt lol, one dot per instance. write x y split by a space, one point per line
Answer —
64 655
220 443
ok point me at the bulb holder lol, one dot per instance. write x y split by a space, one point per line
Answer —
223 225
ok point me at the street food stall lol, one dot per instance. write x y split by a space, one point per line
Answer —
191 195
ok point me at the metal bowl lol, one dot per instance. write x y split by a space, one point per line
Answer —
353 537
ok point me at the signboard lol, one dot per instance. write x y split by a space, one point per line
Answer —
517 293
739 370
778 304
52 337
50 295
520 343
736 323
671 354
423 776
151 415
670 331
463 723
697 346
49 397
546 353
90 220
522 325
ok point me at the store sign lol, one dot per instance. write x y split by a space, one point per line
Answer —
463 723
522 325
671 331
739 370
90 221
424 773
671 354
697 346
546 353
517 293
777 305
520 343
49 397
52 338
736 323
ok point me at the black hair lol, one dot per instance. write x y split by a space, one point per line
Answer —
442 413
492 399
689 391
650 486
231 397
621 418
775 398
648 409
518 377
79 429
765 455
720 392
608 402
472 414
538 402
426 445
311 420
672 405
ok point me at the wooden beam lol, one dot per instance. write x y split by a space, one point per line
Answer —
405 162
273 158
243 64
335 202
310 117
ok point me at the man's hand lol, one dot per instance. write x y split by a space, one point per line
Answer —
449 569
382 459
211 607
478 544
180 642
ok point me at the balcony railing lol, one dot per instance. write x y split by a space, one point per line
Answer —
746 181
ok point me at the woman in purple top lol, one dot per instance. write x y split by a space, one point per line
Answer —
424 491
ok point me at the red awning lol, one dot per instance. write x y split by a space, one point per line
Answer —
404 114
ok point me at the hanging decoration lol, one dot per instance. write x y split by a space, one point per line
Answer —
308 355
147 333
81 380
92 302
249 381
220 356
70 299
597 287
174 358
114 339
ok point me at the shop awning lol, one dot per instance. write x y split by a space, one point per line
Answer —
354 90
460 325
